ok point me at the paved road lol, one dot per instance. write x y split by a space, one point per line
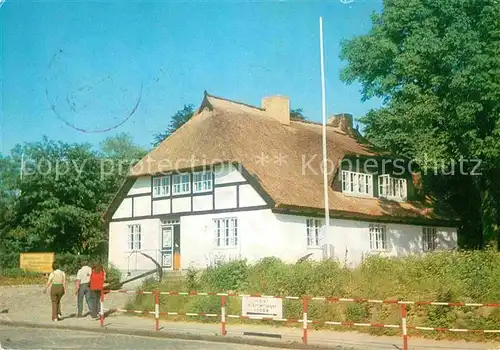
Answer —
36 338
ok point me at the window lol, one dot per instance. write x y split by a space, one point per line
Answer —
391 187
181 184
134 237
170 222
357 183
313 232
226 232
378 237
202 182
161 186
429 238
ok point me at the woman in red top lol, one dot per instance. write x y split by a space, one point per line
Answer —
97 279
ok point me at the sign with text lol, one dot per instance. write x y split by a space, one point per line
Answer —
37 262
262 307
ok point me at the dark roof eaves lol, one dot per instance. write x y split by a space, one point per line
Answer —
339 214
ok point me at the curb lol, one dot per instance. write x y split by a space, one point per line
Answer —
178 336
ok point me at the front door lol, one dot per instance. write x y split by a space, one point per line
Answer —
167 246
177 247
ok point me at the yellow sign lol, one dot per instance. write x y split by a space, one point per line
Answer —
37 262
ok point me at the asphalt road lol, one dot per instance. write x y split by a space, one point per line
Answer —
37 338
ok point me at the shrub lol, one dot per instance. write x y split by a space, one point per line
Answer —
17 272
71 263
9 260
226 276
470 276
113 276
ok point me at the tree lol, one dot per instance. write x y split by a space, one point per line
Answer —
65 188
436 64
62 196
122 147
176 121
118 154
296 114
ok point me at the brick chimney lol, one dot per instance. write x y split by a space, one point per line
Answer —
277 107
343 121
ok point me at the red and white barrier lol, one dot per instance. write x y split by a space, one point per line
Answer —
455 329
304 320
157 311
101 313
305 303
404 329
223 314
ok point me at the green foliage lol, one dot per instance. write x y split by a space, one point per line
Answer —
435 64
472 277
9 260
71 263
122 147
226 276
65 188
113 276
176 121
16 276
297 114
17 272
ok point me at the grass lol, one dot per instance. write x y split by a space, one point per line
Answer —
471 276
16 276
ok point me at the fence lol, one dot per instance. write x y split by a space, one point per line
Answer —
403 327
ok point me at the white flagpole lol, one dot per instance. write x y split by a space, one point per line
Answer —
325 162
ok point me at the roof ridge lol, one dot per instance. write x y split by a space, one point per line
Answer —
233 101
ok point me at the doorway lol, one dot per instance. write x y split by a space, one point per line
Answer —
171 246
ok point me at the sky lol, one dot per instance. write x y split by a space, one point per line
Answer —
82 71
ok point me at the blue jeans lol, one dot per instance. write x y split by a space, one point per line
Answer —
84 291
96 303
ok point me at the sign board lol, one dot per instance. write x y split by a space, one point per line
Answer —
37 262
262 307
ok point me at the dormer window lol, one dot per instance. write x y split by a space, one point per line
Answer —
357 183
392 187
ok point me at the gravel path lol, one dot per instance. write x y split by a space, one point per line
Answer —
31 299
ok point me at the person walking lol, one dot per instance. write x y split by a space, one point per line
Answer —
57 284
97 279
83 288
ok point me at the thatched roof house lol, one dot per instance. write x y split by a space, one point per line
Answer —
282 156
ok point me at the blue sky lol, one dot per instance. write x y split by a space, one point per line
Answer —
90 63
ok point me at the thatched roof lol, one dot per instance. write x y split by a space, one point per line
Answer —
275 154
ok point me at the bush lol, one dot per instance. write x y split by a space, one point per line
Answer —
9 260
470 276
17 272
71 263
